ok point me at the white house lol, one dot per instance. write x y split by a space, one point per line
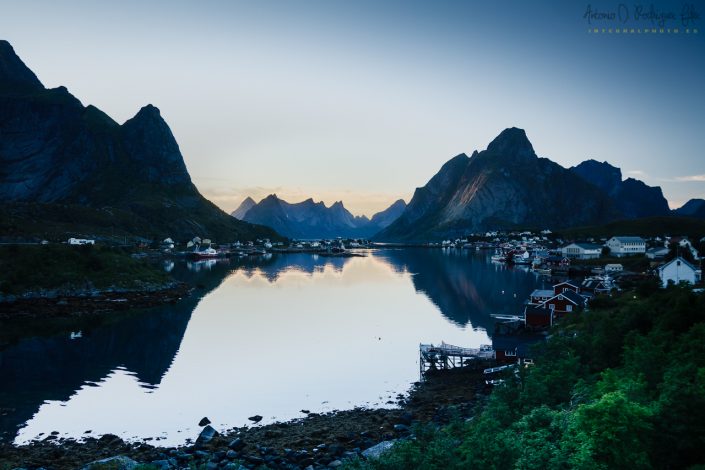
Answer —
678 270
625 246
613 268
582 250
81 241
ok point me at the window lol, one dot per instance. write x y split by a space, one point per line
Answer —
552 306
510 353
569 308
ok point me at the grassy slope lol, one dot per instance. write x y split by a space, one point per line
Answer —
621 386
30 267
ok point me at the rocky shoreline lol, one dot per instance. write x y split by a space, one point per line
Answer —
79 302
316 441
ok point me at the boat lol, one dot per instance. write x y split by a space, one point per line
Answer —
522 259
499 256
205 254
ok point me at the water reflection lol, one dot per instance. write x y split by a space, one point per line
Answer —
466 289
332 332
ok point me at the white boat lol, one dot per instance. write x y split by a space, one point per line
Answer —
206 253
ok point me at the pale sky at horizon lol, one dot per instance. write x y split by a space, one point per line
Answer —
364 101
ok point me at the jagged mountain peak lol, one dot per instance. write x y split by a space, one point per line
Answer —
505 186
633 197
511 142
151 144
601 174
307 220
242 209
148 112
59 157
14 74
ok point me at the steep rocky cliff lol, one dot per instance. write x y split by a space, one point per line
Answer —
57 156
632 197
505 186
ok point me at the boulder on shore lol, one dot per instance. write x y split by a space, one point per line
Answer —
118 462
377 450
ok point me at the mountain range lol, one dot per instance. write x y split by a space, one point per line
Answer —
66 167
508 186
633 198
309 219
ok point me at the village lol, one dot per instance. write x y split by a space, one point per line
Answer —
581 271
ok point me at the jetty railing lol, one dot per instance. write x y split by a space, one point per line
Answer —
448 356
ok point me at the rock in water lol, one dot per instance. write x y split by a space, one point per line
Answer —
206 435
119 462
255 418
204 421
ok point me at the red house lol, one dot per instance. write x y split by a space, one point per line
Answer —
510 349
566 285
565 302
538 318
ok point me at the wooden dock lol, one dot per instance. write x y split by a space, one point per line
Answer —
447 356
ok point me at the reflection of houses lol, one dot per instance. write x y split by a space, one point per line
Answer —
582 251
626 246
678 270
558 261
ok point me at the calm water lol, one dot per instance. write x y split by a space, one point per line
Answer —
269 336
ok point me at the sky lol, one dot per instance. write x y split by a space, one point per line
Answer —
363 101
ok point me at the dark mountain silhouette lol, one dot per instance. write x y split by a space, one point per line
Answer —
632 197
57 155
504 186
692 208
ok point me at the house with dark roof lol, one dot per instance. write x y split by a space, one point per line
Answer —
540 295
510 349
566 302
537 317
566 285
595 286
582 251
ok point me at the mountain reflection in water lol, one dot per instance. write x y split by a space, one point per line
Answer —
349 316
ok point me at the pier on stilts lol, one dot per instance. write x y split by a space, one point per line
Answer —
446 356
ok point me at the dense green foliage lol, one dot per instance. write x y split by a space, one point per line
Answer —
646 227
620 386
29 267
